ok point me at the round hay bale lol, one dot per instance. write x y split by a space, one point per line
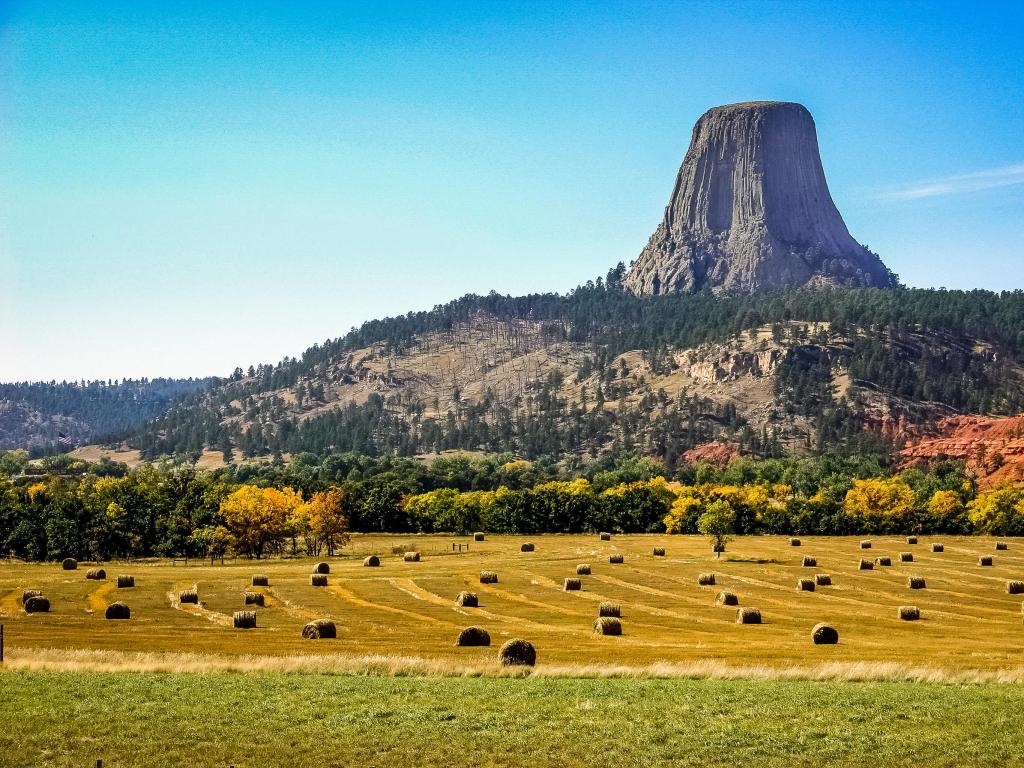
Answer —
605 536
706 579
865 544
583 569
322 568
69 564
411 557
317 580
189 596
726 598
255 598
479 536
911 539
805 585
124 581
37 604
473 636
96 574
488 577
466 599
748 616
866 565
28 594
823 634
1002 546
886 561
371 562
823 579
517 653
909 612
794 542
245 619
320 629
526 546
659 551
810 562
607 625
916 582
260 580
118 611
1015 588
572 585
906 557
617 559
938 548
985 560
609 609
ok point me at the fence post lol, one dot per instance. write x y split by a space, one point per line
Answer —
1 643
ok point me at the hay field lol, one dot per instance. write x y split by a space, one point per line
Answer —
402 617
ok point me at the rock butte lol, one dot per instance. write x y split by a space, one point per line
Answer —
751 211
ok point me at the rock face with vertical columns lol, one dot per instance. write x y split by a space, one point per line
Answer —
751 211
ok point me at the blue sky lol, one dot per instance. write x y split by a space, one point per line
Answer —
186 187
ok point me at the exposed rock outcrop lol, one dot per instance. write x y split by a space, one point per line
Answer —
751 211
992 448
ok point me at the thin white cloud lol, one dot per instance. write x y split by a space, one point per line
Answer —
963 183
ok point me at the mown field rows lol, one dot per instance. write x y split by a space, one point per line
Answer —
968 619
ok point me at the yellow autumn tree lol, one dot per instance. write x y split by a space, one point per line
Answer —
258 519
880 504
326 520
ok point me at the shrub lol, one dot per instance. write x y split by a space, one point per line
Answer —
909 612
866 565
526 547
371 562
97 574
583 569
823 580
607 625
260 580
886 561
748 616
118 611
726 598
255 598
245 619
322 568
985 560
411 557
69 564
938 548
1015 588
810 562
473 636
466 599
823 634
317 580
29 594
572 585
189 596
37 604
479 536
488 577
906 557
517 652
617 559
659 551
609 609
125 582
916 582
320 629
805 585
706 579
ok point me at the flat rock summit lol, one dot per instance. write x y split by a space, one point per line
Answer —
751 211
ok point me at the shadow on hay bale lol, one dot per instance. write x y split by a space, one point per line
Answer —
28 594
69 564
885 561
189 596
607 625
96 574
320 629
810 562
659 551
260 580
865 544
317 580
823 579
37 604
805 585
473 636
124 581
616 559
118 611
1002 546
371 561
488 577
322 568
726 598
938 548
255 598
706 579
605 536
411 557
609 609
583 569
1015 588
794 542
911 539
909 612
526 547
916 582
479 536
866 565
748 616
572 585
823 634
245 619
906 557
466 599
985 560
517 653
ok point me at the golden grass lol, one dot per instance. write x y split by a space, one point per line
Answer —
397 619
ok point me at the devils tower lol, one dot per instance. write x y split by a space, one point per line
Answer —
751 211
